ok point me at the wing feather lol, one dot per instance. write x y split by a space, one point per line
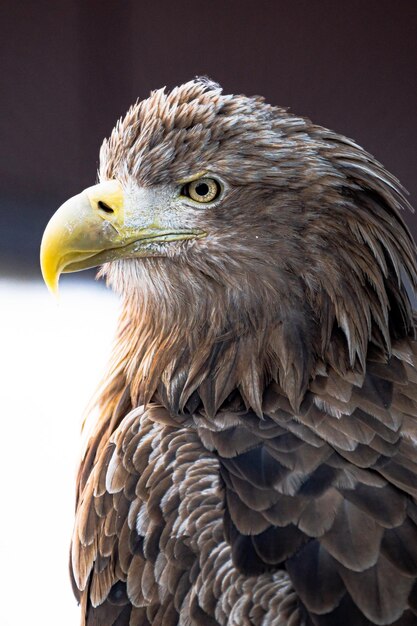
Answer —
329 497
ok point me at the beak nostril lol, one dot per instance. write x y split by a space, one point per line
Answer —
104 207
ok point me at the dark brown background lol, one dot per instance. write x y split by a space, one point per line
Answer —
70 68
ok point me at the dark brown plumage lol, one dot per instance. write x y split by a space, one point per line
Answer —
270 478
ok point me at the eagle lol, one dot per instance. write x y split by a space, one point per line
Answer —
253 459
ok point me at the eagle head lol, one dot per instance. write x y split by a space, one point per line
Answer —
238 233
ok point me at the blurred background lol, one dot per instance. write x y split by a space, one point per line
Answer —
68 70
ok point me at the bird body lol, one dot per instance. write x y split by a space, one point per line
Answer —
254 459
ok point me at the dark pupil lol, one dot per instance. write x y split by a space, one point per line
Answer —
202 189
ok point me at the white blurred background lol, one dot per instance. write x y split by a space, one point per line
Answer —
52 357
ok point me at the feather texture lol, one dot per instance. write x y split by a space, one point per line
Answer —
254 462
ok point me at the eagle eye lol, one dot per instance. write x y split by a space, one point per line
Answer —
203 190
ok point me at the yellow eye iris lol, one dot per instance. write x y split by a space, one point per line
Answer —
202 190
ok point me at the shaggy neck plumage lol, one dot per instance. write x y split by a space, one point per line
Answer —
193 341
185 333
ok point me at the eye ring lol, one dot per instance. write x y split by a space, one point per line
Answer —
203 190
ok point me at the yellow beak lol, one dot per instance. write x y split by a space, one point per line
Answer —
90 229
79 230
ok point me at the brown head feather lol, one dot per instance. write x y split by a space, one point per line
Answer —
306 261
